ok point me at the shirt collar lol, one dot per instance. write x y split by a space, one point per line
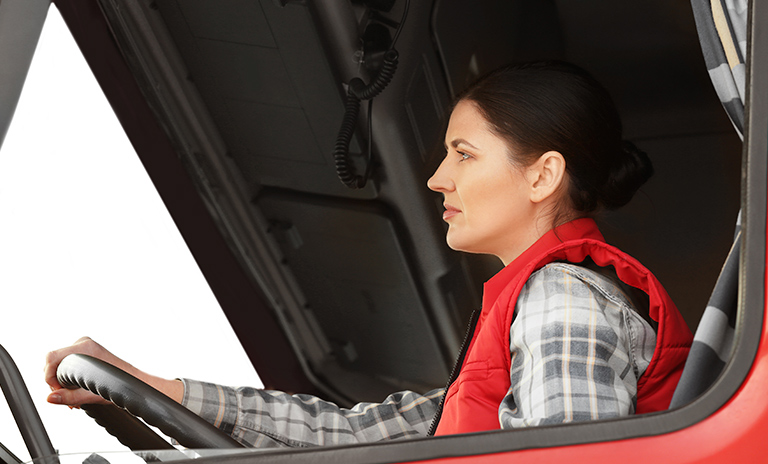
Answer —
584 228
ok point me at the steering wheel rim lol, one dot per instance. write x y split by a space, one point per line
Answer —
135 398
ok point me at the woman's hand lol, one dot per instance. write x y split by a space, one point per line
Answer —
77 397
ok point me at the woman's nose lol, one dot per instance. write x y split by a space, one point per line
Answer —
440 180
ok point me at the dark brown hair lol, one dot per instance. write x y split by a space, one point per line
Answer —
556 106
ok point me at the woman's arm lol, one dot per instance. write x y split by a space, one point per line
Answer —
264 418
577 350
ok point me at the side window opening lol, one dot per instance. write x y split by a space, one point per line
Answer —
723 36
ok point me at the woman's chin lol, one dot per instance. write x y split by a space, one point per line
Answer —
455 243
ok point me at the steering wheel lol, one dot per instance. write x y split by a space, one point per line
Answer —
130 398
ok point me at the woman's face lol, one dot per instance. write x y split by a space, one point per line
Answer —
487 201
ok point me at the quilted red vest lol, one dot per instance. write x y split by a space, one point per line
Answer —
472 401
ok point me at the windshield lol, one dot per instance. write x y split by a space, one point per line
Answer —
87 248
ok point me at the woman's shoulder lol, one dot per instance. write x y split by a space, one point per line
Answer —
576 281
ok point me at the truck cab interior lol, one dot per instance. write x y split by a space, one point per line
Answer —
349 292
251 98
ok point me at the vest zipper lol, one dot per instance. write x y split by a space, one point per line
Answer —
456 368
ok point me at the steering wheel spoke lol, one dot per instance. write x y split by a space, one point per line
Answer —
126 427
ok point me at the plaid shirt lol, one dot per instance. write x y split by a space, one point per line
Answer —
577 351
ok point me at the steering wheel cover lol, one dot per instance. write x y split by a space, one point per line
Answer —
138 398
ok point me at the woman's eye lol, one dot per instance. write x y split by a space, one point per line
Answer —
464 156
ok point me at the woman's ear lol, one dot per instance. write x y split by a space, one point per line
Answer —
546 176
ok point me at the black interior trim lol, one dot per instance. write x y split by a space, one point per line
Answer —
24 412
6 457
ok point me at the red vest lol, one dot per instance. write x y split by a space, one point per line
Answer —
473 399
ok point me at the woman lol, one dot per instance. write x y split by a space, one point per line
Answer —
571 329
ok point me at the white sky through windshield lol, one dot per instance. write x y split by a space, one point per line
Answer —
88 248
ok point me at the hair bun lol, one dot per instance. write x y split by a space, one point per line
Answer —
632 169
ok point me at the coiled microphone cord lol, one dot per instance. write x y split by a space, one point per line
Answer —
356 92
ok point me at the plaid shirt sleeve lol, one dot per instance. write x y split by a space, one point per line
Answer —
268 419
577 349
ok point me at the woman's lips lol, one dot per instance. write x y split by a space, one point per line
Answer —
450 211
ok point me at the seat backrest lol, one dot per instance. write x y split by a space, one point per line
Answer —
713 341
